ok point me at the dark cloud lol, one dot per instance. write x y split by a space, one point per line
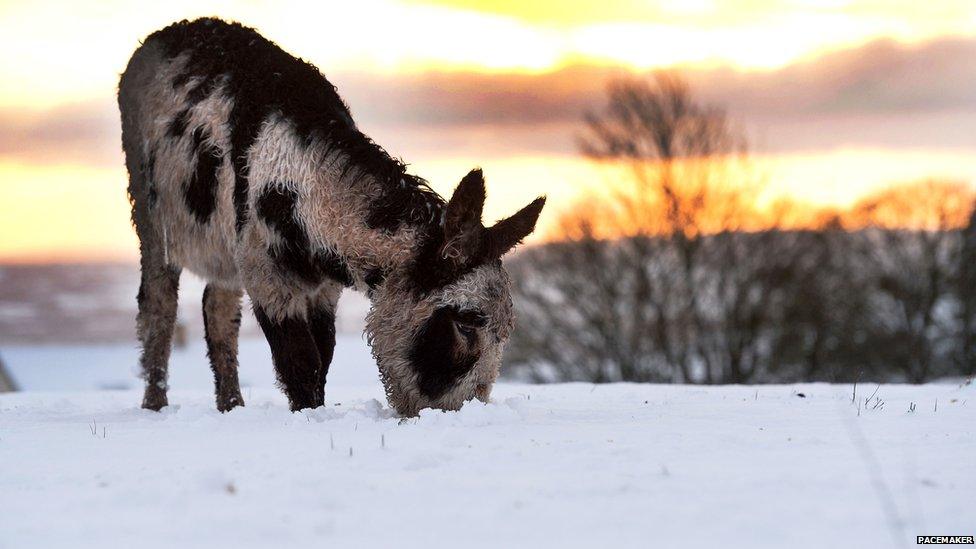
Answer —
881 77
462 98
84 133
882 94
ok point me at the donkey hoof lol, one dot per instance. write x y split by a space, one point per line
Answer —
228 403
154 400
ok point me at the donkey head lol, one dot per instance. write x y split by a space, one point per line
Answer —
437 329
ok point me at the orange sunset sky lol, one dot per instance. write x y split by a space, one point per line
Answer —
839 97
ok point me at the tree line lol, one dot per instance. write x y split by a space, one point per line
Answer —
674 272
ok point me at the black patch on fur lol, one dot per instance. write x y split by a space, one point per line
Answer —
180 80
294 253
431 272
330 265
296 359
177 126
322 324
148 171
408 201
374 277
263 80
201 191
141 295
201 91
198 91
207 293
433 354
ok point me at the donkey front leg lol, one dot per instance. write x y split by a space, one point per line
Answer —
295 356
321 318
221 325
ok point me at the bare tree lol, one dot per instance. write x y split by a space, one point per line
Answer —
645 279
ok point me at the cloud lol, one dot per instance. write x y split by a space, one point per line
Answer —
82 133
883 94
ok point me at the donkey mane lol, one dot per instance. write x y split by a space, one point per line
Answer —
264 80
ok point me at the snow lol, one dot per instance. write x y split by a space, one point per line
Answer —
568 465
115 366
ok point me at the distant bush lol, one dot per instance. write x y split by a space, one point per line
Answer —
771 306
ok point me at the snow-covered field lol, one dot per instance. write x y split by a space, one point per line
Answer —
571 465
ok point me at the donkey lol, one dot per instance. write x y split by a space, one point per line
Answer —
246 168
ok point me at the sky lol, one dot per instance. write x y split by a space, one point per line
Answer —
838 97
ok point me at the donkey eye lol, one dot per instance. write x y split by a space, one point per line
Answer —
471 319
467 324
466 330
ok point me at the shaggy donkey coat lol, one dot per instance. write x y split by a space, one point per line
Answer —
246 168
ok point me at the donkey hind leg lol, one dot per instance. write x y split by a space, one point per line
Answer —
221 325
154 323
295 356
321 319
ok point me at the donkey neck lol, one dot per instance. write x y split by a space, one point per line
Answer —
376 215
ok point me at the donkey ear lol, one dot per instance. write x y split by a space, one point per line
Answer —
464 209
509 232
462 218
